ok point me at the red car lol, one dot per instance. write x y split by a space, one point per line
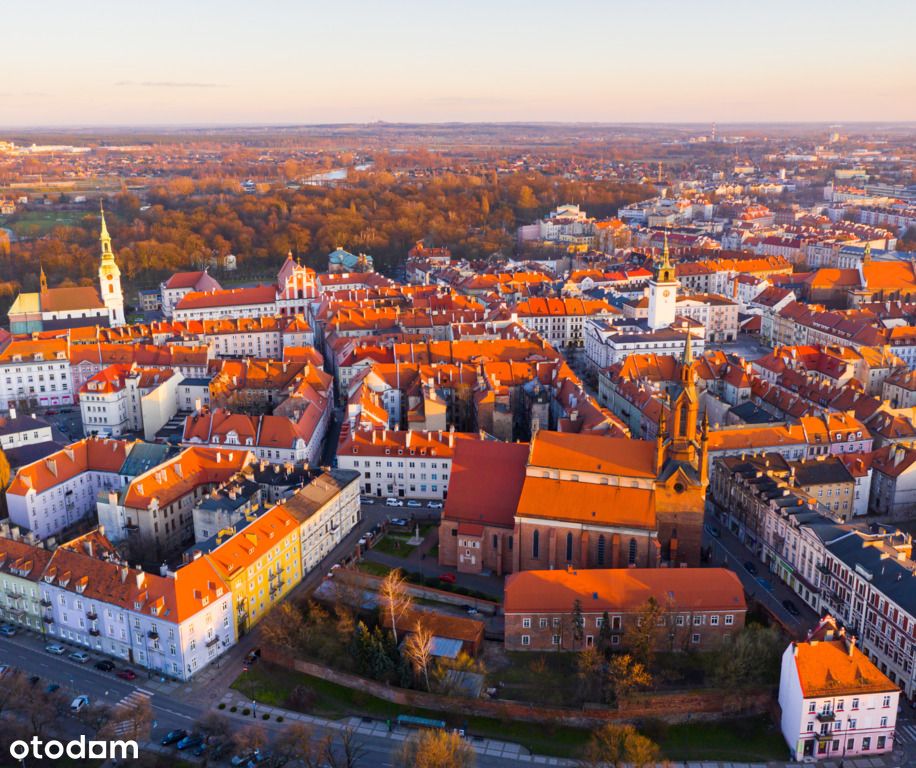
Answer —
448 578
127 674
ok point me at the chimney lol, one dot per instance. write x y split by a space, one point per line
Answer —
850 644
123 573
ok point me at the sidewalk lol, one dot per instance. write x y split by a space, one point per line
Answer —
506 750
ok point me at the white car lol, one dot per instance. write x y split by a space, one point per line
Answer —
366 500
57 650
434 505
414 503
79 703
394 503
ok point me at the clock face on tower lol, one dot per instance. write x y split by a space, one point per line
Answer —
666 293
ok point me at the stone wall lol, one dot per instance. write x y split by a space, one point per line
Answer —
672 708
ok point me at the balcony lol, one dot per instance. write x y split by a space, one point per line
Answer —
12 593
826 717
94 632
212 641
45 603
92 615
152 634
47 619
823 568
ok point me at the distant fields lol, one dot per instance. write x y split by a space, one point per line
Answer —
39 223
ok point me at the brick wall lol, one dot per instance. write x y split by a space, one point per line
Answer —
676 707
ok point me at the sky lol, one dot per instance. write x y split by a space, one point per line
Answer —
286 61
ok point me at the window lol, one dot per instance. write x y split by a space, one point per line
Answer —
536 544
866 743
569 547
714 620
886 702
679 621
542 623
812 707
852 723
526 639
631 556
882 740
526 623
729 620
695 638
555 640
601 546
855 703
810 727
884 722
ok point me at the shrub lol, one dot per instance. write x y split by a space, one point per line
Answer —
222 705
246 711
233 708
265 716
279 718
301 698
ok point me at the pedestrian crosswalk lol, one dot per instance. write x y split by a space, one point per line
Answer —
906 734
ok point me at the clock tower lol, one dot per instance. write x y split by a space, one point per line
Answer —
662 292
110 278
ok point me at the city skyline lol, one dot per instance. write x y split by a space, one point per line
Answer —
408 62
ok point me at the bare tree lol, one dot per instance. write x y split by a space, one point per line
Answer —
394 598
295 743
132 720
250 738
40 709
14 691
435 749
418 648
284 626
351 752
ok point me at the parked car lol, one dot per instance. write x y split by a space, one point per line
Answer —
414 503
4 668
750 568
191 740
434 504
253 656
79 703
765 583
394 503
127 674
7 630
105 665
79 657
57 650
366 500
791 608
52 687
448 578
173 737
398 521
242 758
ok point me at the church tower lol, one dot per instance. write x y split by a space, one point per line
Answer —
662 292
110 278
685 412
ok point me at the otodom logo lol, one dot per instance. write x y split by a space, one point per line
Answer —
76 749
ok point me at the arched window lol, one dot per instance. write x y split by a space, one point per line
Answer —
601 549
569 543
682 427
631 557
535 544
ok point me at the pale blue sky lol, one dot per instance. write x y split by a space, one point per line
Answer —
269 61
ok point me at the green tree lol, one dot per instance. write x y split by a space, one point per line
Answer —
578 623
751 656
640 635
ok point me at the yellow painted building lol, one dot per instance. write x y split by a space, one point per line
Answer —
261 564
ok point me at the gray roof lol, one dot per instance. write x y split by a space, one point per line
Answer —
826 471
25 423
142 457
893 578
312 497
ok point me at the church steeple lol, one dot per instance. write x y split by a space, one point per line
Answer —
104 237
110 276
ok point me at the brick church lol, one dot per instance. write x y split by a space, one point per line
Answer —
581 501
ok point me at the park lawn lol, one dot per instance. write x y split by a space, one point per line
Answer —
39 223
271 685
396 546
749 739
374 569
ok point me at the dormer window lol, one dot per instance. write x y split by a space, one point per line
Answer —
137 605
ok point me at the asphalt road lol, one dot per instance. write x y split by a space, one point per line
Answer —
728 552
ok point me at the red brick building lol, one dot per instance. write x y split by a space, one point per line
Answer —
701 606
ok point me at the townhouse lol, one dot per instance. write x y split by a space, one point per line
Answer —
22 563
561 321
566 610
260 564
835 704
56 492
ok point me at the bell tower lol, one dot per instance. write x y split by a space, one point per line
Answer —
662 292
685 412
110 278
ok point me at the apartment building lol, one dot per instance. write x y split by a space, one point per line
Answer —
35 373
